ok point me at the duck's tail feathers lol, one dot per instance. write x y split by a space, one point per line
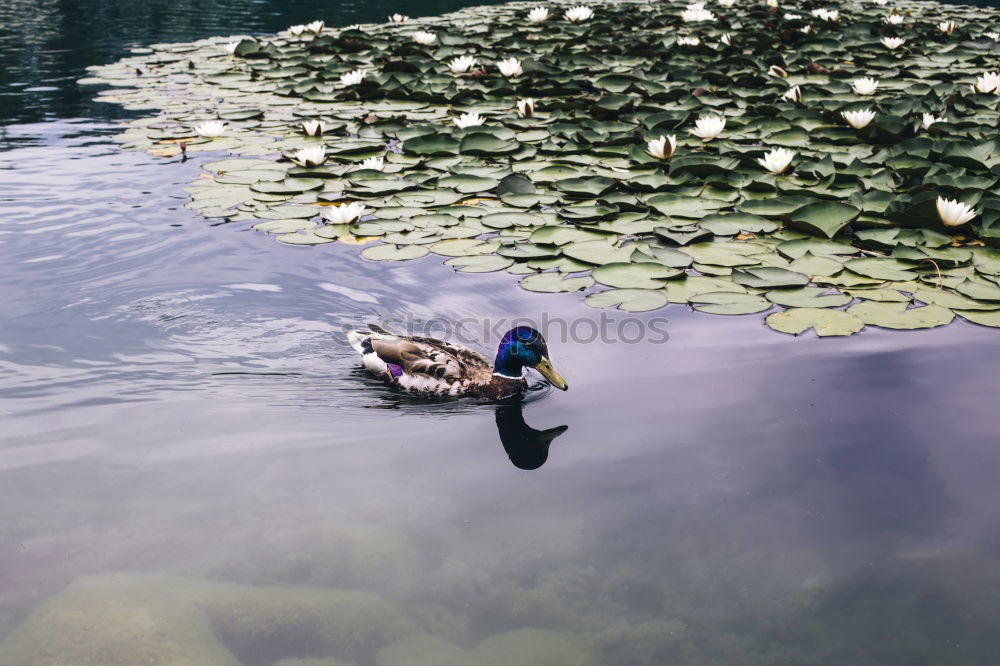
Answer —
375 328
357 340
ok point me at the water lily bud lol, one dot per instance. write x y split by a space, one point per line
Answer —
230 47
777 160
793 94
690 15
309 157
344 213
858 119
424 38
727 3
947 27
376 162
928 119
526 107
210 128
313 127
538 15
316 27
709 127
772 3
578 14
726 39
510 67
662 148
352 78
954 213
774 70
865 86
462 64
398 18
987 82
470 119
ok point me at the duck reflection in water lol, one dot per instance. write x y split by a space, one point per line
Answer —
526 447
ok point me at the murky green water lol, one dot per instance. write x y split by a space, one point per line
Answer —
193 471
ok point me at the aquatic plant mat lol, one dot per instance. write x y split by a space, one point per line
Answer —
572 197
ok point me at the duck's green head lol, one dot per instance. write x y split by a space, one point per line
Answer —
524 346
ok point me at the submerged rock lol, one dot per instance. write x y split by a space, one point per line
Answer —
116 621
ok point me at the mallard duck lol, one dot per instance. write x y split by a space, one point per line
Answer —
429 367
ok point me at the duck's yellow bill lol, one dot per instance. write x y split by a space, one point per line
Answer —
545 367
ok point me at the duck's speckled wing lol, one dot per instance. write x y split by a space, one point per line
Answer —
420 364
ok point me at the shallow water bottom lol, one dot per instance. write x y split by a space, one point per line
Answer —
193 470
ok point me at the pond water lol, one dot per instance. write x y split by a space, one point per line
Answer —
190 456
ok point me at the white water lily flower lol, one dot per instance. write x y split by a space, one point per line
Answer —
470 119
995 36
688 41
881 3
313 127
893 43
376 162
777 160
526 107
510 67
353 26
344 213
709 127
929 119
230 47
662 148
210 128
893 19
987 82
865 86
772 3
858 119
309 157
462 64
296 30
727 3
578 14
826 14
696 5
352 78
806 29
954 213
398 18
779 72
424 38
694 15
316 27
947 27
792 17
538 15
726 39
793 94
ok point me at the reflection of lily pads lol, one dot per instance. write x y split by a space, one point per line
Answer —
730 303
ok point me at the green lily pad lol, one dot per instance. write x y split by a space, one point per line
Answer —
555 282
825 322
393 253
897 316
635 275
823 218
629 300
729 303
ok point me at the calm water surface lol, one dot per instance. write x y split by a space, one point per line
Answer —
187 443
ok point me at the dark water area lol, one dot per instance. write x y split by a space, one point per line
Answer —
187 440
